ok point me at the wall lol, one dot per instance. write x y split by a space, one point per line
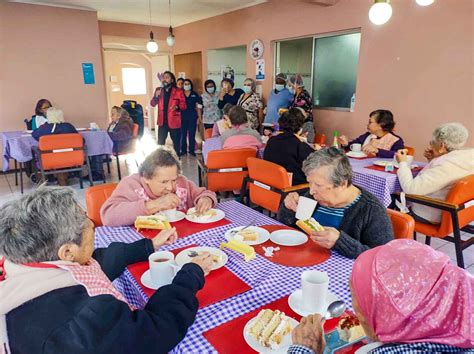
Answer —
235 57
419 64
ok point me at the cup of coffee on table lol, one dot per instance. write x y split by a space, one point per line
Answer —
315 288
305 208
356 147
162 268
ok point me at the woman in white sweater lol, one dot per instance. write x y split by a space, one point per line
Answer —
448 160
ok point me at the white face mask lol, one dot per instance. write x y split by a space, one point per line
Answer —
187 87
279 87
210 89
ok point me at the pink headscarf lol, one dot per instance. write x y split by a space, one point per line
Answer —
410 293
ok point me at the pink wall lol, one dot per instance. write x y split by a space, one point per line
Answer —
419 64
120 29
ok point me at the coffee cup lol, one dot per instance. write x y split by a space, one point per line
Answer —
170 213
315 288
162 268
305 208
356 147
409 159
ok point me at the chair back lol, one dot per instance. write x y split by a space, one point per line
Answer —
267 176
403 224
227 169
320 139
208 133
410 150
60 151
95 198
135 130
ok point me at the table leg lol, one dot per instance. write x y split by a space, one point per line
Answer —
21 177
16 174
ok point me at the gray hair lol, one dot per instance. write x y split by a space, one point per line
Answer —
54 115
340 171
452 135
163 156
34 227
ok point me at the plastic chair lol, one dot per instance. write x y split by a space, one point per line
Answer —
95 198
129 151
60 153
208 133
411 151
267 184
320 139
225 169
403 224
458 213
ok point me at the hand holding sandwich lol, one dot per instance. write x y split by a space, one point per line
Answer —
164 237
166 202
291 201
326 238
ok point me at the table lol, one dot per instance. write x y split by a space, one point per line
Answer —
269 281
215 143
17 145
379 183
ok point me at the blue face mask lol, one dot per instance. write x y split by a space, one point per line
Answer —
279 87
292 90
210 89
187 87
247 89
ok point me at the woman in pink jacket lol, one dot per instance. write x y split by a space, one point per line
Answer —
158 186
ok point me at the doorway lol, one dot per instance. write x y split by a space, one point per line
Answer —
189 66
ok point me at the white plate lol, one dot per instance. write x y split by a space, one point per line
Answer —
383 163
287 237
413 165
182 258
81 129
219 216
255 345
263 235
295 302
355 154
28 131
146 280
178 216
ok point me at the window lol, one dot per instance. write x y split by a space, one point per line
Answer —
134 81
327 64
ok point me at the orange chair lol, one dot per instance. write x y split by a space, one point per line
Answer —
458 213
403 224
95 198
129 151
207 133
411 151
267 184
60 153
320 139
225 169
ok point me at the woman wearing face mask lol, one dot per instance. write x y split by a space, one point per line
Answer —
302 99
171 102
190 117
210 98
251 102
280 97
228 94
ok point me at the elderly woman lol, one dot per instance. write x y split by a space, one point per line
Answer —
409 298
379 139
353 219
241 135
251 102
286 149
120 129
228 93
157 186
302 100
56 291
448 163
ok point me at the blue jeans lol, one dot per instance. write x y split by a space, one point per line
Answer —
188 132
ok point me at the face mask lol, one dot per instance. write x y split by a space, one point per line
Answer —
292 90
211 89
165 84
279 87
187 87
247 89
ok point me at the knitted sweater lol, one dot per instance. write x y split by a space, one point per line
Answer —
365 225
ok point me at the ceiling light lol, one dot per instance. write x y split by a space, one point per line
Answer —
380 12
170 40
424 2
152 46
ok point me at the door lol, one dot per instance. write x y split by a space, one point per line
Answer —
191 65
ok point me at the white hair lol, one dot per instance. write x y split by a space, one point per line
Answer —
452 135
54 115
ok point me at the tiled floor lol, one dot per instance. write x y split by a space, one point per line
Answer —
8 191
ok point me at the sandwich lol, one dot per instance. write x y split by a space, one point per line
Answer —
157 222
215 258
350 329
269 328
246 235
309 225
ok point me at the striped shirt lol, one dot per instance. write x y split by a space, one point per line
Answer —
332 217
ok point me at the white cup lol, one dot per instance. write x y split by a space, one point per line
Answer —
305 208
170 213
409 159
356 147
162 268
315 288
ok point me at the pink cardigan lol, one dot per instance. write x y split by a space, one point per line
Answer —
128 199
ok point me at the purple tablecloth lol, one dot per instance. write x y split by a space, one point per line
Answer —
215 143
17 145
269 281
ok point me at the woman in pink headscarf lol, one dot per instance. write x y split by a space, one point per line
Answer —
409 298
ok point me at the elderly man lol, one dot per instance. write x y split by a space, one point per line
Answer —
56 291
353 219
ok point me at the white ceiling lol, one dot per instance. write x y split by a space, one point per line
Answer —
136 11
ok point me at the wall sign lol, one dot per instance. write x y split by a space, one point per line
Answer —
260 69
256 49
88 73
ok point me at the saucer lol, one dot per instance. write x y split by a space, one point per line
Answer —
356 154
177 217
287 237
146 280
296 298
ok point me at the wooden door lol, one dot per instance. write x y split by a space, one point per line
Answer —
191 65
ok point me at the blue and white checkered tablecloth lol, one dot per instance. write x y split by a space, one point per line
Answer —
269 281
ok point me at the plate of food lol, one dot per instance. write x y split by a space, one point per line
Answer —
252 235
270 332
218 256
357 154
287 237
212 215
348 334
156 222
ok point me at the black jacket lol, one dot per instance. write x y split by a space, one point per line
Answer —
59 128
288 151
365 225
69 321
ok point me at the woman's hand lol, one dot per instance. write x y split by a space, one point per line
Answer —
165 237
203 204
168 201
326 238
343 140
370 150
310 333
204 260
428 154
291 201
401 155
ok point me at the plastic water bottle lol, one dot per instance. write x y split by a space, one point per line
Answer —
335 142
353 102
